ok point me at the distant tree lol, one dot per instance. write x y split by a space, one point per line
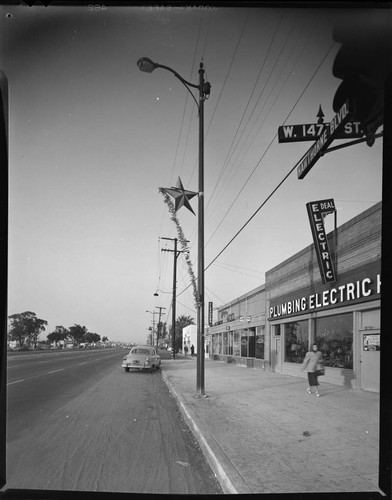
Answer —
60 333
104 339
182 322
25 327
91 337
77 333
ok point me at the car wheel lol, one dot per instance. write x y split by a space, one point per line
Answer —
127 368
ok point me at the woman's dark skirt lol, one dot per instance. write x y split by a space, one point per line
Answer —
312 377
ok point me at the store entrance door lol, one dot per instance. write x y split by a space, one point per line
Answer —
277 364
370 360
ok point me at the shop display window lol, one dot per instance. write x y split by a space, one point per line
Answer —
260 341
217 343
334 337
296 341
244 343
237 344
228 343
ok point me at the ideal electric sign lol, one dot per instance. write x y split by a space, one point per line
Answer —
317 210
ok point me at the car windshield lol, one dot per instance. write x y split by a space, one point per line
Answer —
141 351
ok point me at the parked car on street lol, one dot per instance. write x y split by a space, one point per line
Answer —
142 357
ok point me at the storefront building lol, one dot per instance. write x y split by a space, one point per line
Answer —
274 325
238 336
342 317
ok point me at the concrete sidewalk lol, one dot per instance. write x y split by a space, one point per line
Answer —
263 433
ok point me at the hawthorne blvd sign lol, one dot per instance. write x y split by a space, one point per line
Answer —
328 134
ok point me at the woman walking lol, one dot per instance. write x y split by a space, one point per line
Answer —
313 362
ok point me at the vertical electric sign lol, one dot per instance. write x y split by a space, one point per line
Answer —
210 312
317 210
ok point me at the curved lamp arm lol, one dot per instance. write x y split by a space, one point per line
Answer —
147 66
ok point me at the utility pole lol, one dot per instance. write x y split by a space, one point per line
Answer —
159 323
176 254
153 325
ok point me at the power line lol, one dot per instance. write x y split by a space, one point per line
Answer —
224 84
224 166
262 157
254 214
285 177
251 174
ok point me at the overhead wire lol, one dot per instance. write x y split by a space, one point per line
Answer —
265 103
187 97
284 178
222 90
254 138
224 166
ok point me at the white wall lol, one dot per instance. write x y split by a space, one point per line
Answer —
189 337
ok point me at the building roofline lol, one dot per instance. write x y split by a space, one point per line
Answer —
243 296
374 208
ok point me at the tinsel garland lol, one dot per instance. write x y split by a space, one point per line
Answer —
182 240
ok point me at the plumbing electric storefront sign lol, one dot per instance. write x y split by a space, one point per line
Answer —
317 210
360 285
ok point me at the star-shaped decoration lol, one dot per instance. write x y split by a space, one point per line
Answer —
181 196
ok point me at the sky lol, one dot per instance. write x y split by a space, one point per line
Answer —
92 139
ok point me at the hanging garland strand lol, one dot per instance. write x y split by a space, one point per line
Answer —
182 240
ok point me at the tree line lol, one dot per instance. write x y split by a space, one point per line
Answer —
25 329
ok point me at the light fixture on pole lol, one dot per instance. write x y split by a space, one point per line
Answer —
147 65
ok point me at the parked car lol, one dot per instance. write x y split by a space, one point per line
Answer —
142 357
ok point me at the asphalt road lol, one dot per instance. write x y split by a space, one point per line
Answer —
77 421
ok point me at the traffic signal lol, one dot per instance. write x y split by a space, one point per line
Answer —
363 63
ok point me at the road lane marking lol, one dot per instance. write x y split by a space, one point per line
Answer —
85 363
54 371
16 381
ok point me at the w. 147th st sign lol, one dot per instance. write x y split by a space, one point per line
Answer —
312 131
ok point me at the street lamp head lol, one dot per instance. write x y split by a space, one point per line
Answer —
146 65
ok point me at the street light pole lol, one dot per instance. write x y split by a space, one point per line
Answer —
147 65
200 246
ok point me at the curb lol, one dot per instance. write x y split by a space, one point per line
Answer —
222 477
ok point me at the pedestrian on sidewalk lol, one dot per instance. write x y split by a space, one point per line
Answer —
313 362
192 350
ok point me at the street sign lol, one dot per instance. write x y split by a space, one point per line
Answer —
312 131
328 134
